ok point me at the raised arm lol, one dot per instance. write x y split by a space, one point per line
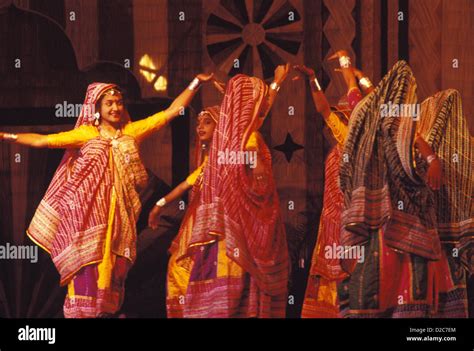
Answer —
346 69
354 95
184 99
364 81
281 72
145 127
338 128
319 99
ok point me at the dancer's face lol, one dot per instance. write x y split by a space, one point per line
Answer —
205 127
111 108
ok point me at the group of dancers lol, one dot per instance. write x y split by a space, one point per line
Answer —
398 188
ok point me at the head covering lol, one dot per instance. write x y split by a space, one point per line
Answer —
443 126
379 176
230 206
212 111
93 94
70 222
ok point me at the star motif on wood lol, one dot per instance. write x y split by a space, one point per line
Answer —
288 147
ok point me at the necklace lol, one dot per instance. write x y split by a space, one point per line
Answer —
113 139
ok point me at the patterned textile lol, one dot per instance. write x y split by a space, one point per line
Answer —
80 178
98 289
393 214
230 259
443 126
393 284
380 188
321 291
86 299
248 217
87 218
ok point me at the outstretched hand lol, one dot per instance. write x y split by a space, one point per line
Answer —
304 70
205 77
154 217
281 72
338 54
434 174
220 86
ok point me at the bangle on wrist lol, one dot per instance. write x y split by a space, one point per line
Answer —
344 61
195 84
365 83
275 86
431 158
9 137
314 84
161 202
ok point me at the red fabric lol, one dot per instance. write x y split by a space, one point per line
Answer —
353 98
231 207
330 222
70 223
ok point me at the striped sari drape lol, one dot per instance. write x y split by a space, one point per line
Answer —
379 184
231 206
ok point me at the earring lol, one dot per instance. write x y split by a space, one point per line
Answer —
203 146
96 116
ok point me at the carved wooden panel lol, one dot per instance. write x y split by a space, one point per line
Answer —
425 45
339 30
457 54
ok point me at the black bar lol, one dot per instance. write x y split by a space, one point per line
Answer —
403 49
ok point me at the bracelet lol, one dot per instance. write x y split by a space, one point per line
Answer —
314 84
195 84
431 158
365 83
275 86
10 137
344 61
161 202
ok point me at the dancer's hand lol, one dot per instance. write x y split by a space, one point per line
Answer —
434 174
306 71
338 54
154 217
205 77
220 86
281 72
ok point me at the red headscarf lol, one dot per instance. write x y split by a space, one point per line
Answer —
230 207
213 112
71 220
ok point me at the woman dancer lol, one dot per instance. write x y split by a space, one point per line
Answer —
179 270
237 245
416 230
86 220
321 292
